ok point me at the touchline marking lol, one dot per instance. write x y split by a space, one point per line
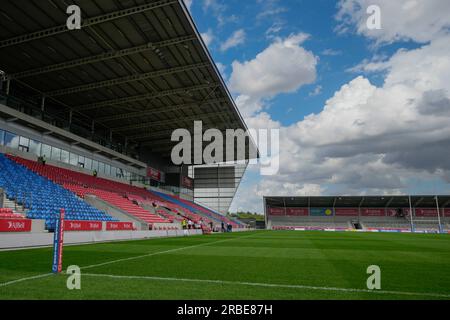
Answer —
125 259
270 285
25 279
162 252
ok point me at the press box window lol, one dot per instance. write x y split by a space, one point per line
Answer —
11 140
24 144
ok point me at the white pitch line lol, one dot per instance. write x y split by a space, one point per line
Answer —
161 252
4 284
271 285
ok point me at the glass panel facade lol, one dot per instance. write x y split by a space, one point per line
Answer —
88 163
56 154
81 161
38 148
64 156
101 167
73 160
215 186
46 151
35 147
25 142
11 140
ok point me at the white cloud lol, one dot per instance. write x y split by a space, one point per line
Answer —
262 121
317 90
370 139
266 187
237 38
417 20
218 9
270 9
213 5
281 68
271 12
208 37
248 106
331 52
222 69
376 64
188 4
274 29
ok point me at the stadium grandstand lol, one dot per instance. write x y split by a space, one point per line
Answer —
364 213
86 118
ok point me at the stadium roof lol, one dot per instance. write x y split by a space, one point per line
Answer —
359 201
138 69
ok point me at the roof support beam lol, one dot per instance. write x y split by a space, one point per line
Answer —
153 134
97 58
169 147
86 22
143 97
418 202
159 110
389 202
170 121
122 80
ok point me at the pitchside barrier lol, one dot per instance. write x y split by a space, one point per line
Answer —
22 240
354 212
25 225
392 230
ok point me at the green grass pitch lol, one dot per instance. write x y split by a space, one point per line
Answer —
254 265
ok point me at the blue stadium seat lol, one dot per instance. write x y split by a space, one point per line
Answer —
42 197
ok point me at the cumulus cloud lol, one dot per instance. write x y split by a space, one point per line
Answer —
331 52
317 90
208 37
274 29
368 139
248 106
188 4
408 113
270 9
218 8
237 38
281 68
419 21
372 139
222 69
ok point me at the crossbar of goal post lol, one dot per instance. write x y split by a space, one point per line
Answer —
411 215
438 214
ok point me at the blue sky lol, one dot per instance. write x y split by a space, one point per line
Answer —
368 75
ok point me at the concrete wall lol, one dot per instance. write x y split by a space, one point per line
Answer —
37 226
243 229
21 240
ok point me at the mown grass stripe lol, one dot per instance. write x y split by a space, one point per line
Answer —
270 285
